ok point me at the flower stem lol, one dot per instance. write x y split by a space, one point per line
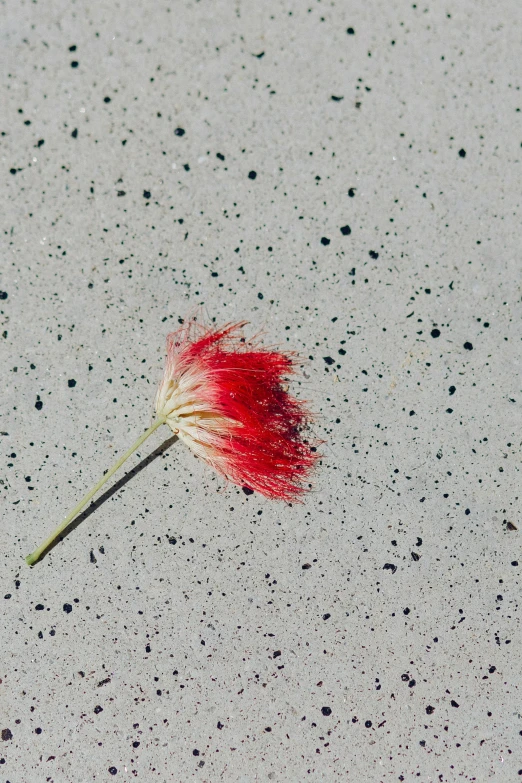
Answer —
36 555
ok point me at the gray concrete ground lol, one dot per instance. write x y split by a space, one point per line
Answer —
161 156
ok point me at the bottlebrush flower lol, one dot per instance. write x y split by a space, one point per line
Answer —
226 397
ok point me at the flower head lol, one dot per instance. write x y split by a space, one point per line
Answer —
225 397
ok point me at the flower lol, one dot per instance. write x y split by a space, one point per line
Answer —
225 397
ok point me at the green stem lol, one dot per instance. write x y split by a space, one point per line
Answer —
36 555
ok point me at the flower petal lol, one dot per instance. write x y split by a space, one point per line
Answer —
227 399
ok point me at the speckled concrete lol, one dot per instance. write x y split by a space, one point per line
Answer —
347 177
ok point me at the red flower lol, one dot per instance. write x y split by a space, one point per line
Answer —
225 397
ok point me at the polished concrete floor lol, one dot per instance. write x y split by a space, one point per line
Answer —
346 177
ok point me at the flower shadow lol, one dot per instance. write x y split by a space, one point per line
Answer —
95 504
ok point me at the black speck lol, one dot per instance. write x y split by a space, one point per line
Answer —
389 567
7 596
454 703
337 97
112 770
186 167
135 744
39 607
326 711
195 752
430 710
3 294
74 64
373 254
173 540
435 332
468 346
306 566
72 48
462 153
328 360
74 133
514 563
106 99
350 31
449 410
147 648
326 616
346 231
179 132
220 156
146 194
38 405
351 192
247 490
452 390
98 709
325 241
260 295
252 174
67 608
368 724
120 193
40 142
71 383
220 725
406 611
7 735
277 654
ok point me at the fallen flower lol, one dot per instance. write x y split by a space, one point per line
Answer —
226 398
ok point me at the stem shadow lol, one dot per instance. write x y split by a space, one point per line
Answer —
95 504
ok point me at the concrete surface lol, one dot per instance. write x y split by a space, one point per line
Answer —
176 634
